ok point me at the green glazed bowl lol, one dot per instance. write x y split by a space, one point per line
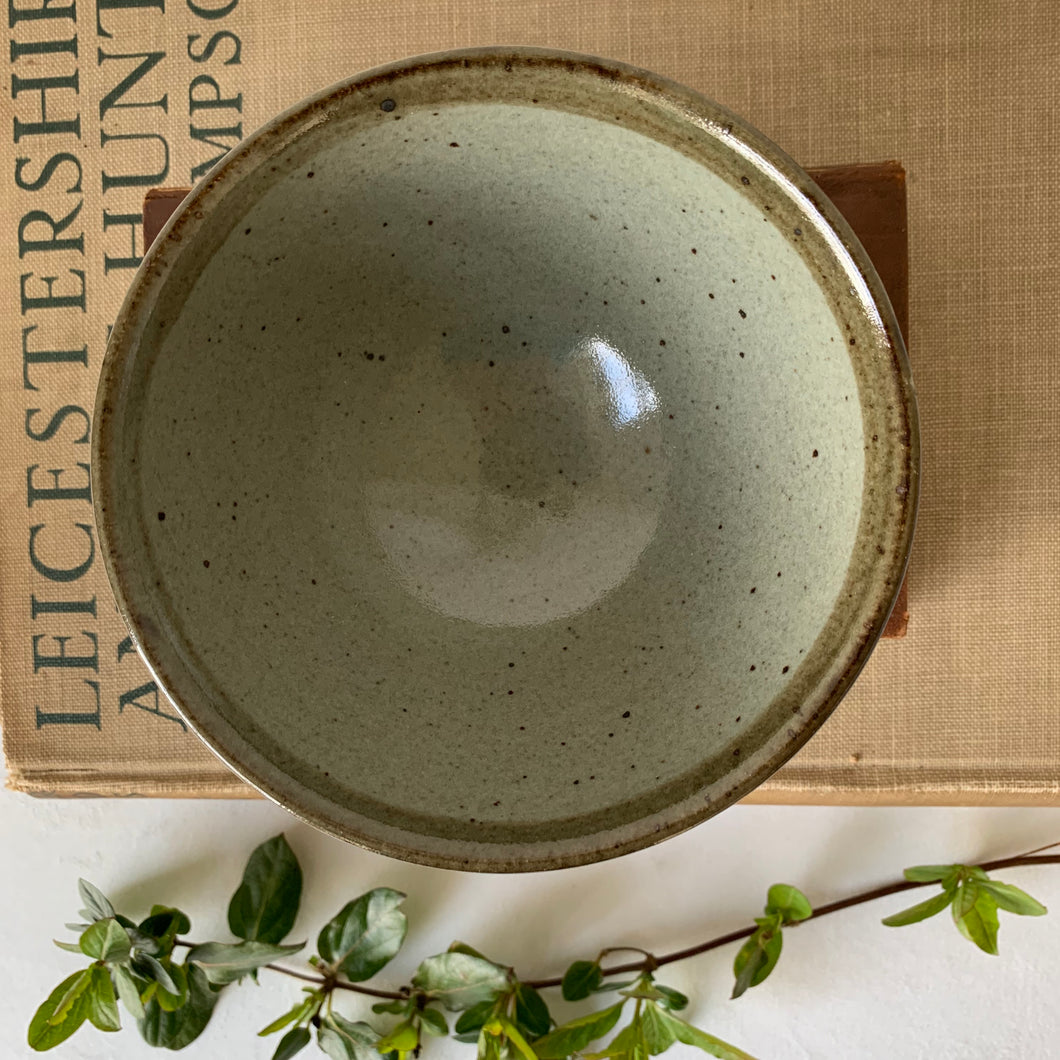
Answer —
506 459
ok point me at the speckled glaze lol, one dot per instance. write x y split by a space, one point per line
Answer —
506 459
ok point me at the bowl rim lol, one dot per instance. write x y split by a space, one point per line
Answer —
262 144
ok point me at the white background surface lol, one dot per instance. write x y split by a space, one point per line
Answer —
846 987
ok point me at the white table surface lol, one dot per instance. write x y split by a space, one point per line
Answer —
846 987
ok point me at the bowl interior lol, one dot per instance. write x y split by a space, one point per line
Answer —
493 462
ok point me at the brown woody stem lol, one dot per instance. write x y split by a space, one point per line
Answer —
830 907
650 963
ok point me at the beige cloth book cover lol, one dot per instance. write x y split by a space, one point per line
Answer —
111 98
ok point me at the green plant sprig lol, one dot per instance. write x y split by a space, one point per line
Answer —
505 1016
1027 859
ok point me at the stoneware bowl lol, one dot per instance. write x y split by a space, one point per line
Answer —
505 459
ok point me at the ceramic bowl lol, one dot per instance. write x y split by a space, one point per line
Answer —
505 459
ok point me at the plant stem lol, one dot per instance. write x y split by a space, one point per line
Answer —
830 907
1030 858
337 984
319 980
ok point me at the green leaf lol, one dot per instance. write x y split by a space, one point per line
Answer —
501 1026
756 959
64 1010
1012 899
531 1013
433 1022
657 1030
745 966
490 1046
142 943
402 1039
644 988
366 934
97 905
463 947
175 1030
931 873
574 1036
294 1041
343 1040
472 1020
580 980
965 899
628 1044
70 947
672 999
106 940
128 991
295 1015
171 1000
459 980
280 1022
935 904
224 963
394 1008
773 945
486 1046
102 1004
689 1035
79 986
179 919
979 922
789 901
265 905
152 969
163 926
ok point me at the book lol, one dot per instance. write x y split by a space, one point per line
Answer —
111 100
